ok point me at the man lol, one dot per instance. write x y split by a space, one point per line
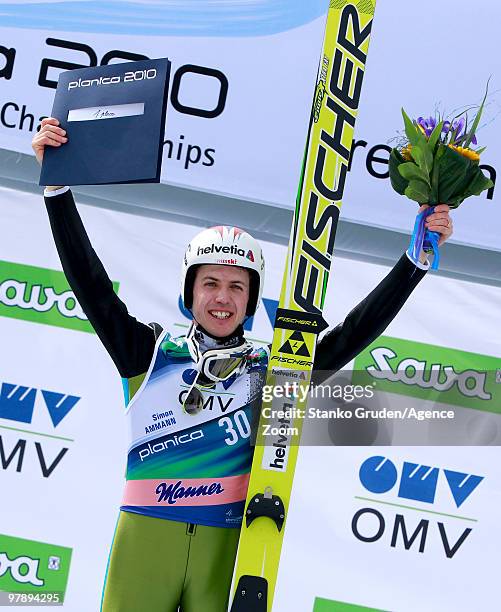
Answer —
188 466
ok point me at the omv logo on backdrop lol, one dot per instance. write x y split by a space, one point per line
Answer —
25 410
410 500
17 403
40 295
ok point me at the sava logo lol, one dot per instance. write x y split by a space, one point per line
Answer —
171 493
430 372
40 295
34 567
172 441
233 250
40 299
442 378
22 569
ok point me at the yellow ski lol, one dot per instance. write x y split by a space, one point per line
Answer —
299 317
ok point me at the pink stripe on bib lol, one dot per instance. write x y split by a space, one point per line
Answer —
186 492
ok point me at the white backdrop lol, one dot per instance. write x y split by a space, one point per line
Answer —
268 51
419 61
76 506
252 148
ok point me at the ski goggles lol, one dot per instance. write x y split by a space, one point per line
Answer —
216 365
222 363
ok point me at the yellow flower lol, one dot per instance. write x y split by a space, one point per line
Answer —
406 152
465 152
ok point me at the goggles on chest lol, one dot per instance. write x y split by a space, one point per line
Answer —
220 364
213 365
217 363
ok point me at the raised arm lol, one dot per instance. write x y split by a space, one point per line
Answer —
372 316
368 319
129 342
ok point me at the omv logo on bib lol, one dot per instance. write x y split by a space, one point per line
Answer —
190 374
219 401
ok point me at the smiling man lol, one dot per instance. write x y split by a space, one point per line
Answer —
190 401
221 296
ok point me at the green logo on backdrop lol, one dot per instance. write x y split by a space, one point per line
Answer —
430 372
329 605
40 295
27 566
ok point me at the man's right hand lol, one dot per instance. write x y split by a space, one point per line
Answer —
49 134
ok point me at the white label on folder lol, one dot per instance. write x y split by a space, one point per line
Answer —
106 112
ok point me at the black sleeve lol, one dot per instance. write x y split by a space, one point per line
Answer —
129 342
368 319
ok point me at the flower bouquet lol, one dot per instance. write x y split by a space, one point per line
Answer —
436 164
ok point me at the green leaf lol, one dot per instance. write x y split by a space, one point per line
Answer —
434 136
455 173
434 178
412 132
410 171
480 151
418 191
423 157
452 136
476 121
398 183
478 184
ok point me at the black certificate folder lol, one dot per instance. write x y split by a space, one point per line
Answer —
114 117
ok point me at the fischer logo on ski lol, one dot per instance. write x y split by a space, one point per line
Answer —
304 321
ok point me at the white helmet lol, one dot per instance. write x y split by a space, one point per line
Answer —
227 246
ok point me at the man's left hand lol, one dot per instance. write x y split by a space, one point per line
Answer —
439 221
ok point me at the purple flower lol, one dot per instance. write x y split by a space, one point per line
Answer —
457 126
428 125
